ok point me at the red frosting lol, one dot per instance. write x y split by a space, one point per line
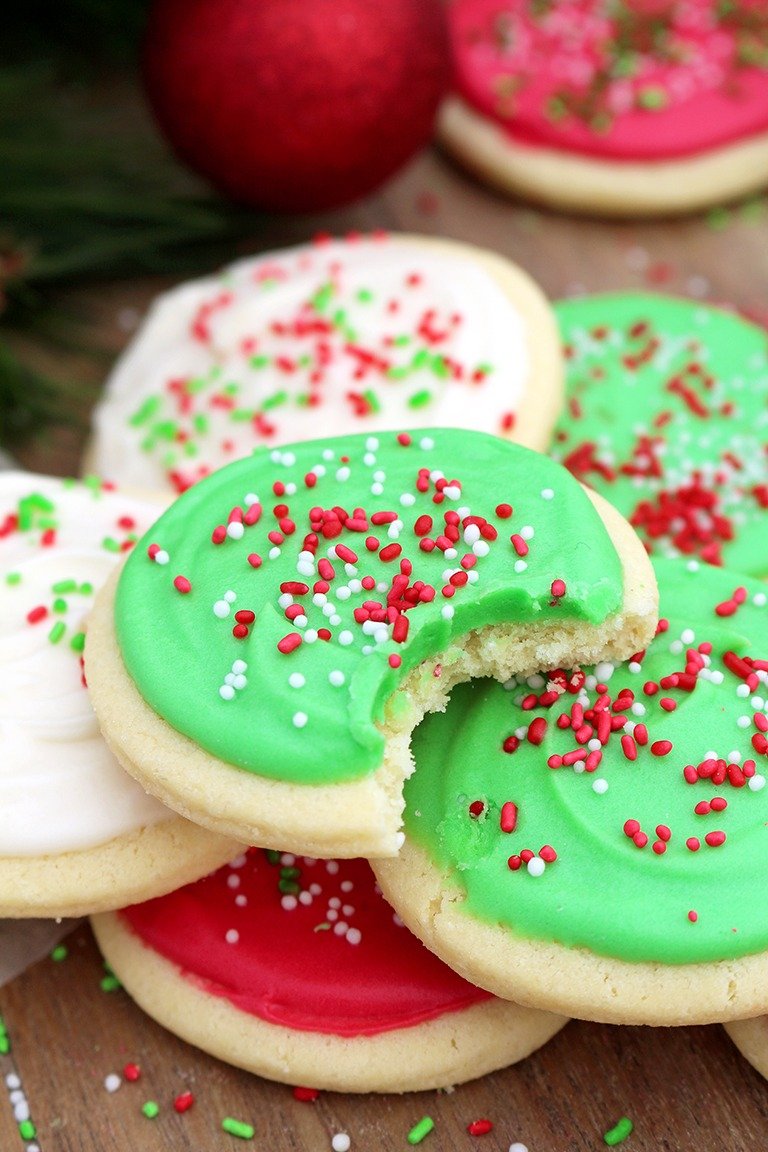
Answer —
338 962
619 79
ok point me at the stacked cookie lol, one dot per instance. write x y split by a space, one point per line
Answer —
433 647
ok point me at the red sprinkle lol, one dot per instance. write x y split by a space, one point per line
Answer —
504 511
184 1102
35 615
181 584
693 916
661 747
132 1072
306 1095
558 588
289 643
480 1127
715 839
508 819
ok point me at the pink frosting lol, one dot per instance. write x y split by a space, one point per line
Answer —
335 960
633 80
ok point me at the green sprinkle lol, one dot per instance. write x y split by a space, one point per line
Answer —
401 341
274 401
196 385
273 856
242 415
290 873
324 927
420 1130
110 544
86 589
63 587
420 399
372 400
59 606
110 983
231 389
717 218
165 429
200 422
365 295
556 108
619 1132
59 953
422 359
440 368
27 1130
190 448
13 578
77 643
322 298
238 1128
652 98
395 373
57 632
5 1044
260 361
289 887
145 412
150 1109
625 65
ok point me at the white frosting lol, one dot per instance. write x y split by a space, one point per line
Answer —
208 331
61 789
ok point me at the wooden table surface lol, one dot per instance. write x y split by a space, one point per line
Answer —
686 1090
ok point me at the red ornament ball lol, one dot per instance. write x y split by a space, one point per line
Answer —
296 105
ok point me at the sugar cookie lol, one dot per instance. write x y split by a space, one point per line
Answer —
338 336
298 970
598 846
274 639
77 833
614 108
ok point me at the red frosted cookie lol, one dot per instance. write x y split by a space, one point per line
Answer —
612 107
298 970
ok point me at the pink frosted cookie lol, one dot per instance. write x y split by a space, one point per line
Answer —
298 970
618 107
77 834
356 335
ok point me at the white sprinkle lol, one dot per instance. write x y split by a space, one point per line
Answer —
233 880
239 682
305 568
377 489
600 786
221 609
289 903
471 534
336 678
250 498
734 757
332 867
300 719
676 647
343 474
637 709
372 443
520 565
536 866
230 596
296 680
227 692
547 494
527 532
319 599
241 901
161 557
756 783
285 600
346 637
427 443
112 1082
274 553
300 621
354 936
743 722
633 666
447 611
481 548
452 492
305 898
310 635
12 1080
407 499
239 861
742 690
235 530
239 666
232 936
346 886
340 928
687 636
518 1147
341 1142
760 599
327 454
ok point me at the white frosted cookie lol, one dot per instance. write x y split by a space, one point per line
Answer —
77 833
299 971
332 337
618 109
596 843
263 656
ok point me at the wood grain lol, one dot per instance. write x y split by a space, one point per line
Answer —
685 1089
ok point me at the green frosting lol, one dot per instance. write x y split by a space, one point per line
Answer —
309 715
667 416
604 891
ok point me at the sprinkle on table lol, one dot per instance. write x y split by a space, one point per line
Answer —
619 1133
239 1128
420 1130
